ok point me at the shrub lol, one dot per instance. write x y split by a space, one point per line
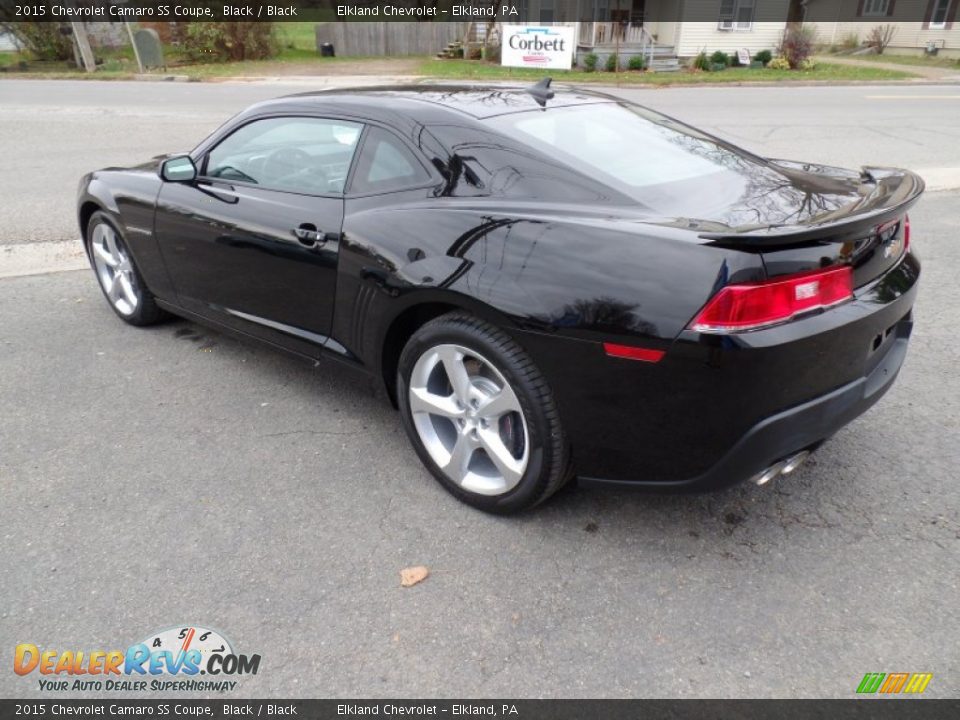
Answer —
590 61
43 41
764 56
797 45
612 62
779 63
850 41
720 58
636 62
880 37
225 41
808 64
701 61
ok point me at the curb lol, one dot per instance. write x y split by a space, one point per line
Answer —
41 258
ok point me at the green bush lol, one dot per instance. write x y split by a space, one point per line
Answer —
779 63
229 41
701 61
764 56
612 62
636 62
590 62
720 58
43 41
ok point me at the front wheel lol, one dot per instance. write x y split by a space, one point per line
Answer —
480 415
121 282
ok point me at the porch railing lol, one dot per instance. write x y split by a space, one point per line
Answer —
609 34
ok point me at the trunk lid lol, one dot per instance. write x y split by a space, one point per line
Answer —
853 219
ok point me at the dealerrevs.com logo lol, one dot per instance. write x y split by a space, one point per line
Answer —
170 660
894 683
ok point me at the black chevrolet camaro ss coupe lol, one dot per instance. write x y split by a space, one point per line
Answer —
548 284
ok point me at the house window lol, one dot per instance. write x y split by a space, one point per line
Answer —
736 14
938 18
875 8
546 11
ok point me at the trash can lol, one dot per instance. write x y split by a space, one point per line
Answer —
326 50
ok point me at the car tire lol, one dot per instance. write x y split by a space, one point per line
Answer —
117 274
492 437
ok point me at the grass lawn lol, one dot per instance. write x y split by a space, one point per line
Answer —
914 60
297 36
297 56
289 63
113 68
479 70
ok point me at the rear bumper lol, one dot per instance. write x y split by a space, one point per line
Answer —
717 409
790 431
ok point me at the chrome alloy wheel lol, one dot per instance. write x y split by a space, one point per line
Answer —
114 269
469 419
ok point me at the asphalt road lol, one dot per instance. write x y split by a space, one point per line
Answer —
53 132
152 478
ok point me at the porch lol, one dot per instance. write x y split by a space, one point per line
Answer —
625 27
601 34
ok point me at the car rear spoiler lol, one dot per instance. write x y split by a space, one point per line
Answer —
893 193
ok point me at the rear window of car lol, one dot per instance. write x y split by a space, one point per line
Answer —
641 154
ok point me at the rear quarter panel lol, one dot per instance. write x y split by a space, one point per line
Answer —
559 286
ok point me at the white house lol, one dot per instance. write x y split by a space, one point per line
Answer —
921 25
666 29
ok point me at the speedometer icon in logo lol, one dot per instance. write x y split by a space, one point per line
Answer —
181 640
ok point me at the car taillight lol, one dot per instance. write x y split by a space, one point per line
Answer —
756 305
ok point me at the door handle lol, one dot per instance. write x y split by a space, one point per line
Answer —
308 235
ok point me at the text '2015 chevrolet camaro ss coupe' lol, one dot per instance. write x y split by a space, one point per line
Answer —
548 285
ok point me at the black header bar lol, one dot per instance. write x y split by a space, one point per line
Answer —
511 11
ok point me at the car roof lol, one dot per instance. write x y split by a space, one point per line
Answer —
432 104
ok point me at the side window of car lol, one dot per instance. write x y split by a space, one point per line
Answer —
294 154
386 164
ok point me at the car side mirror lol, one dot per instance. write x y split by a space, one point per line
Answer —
178 169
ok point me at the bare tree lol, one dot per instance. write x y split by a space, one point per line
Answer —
880 36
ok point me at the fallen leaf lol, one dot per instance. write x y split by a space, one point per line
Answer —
413 575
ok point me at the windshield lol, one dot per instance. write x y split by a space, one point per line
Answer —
653 159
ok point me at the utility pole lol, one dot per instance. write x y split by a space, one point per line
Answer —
136 50
83 44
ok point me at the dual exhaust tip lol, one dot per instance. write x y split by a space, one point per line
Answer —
784 467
